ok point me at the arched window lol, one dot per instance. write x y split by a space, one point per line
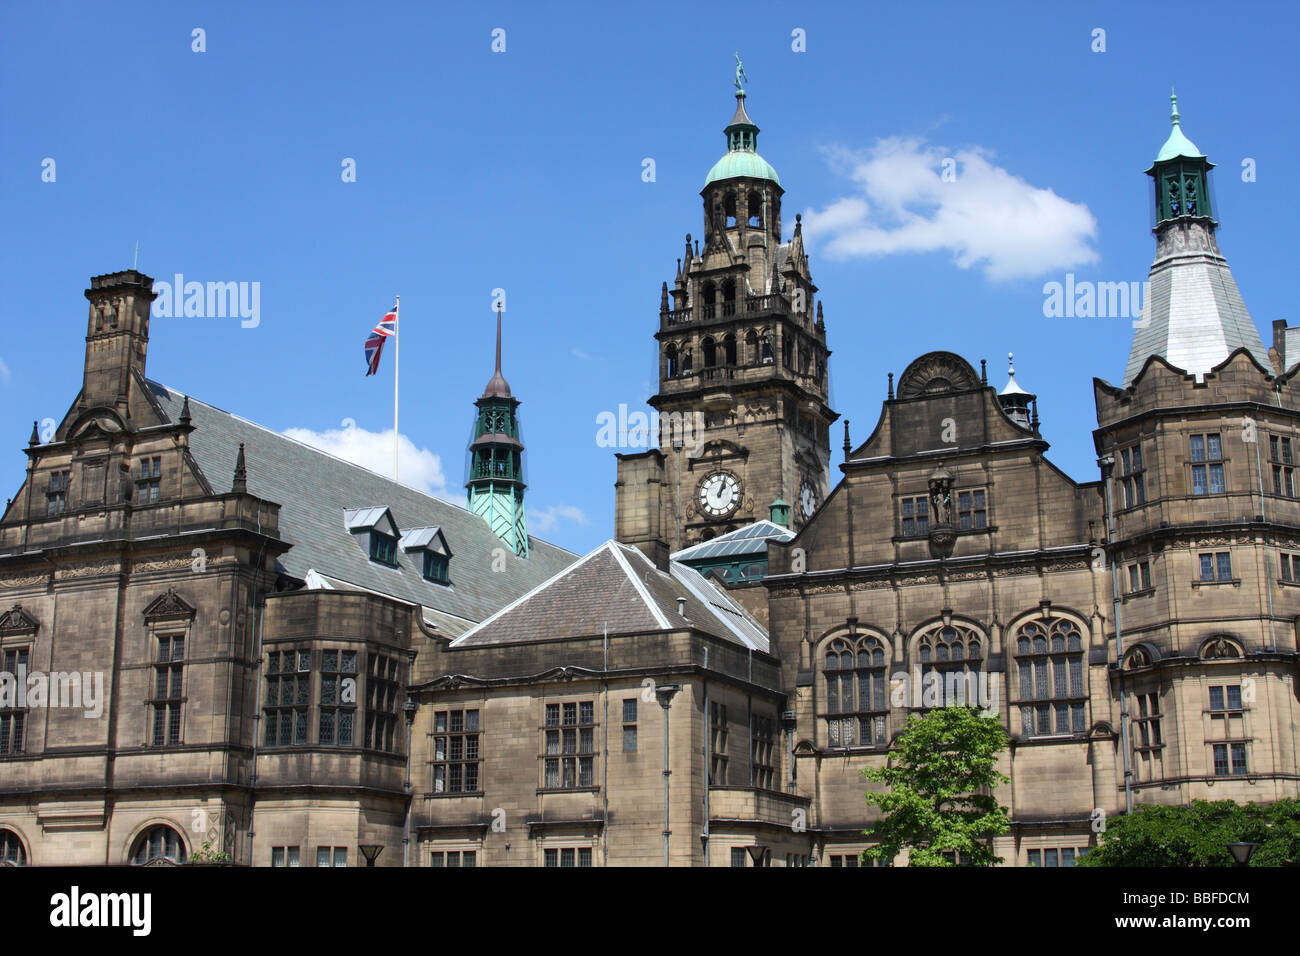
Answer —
787 351
729 297
11 849
671 355
954 654
157 844
729 209
710 352
766 345
1049 654
709 293
687 361
729 349
751 347
857 692
754 208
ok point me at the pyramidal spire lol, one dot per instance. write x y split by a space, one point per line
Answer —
1193 315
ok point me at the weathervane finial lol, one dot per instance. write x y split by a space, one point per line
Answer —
740 75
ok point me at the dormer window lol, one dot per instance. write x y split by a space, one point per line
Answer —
383 548
429 547
435 567
375 530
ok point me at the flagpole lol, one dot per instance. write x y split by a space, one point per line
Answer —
397 365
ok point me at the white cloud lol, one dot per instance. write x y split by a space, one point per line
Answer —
579 354
4 372
545 519
418 468
987 217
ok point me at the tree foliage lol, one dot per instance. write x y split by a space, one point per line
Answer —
1198 835
939 781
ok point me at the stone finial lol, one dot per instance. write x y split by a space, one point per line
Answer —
847 446
240 486
663 297
891 386
36 436
984 372
185 411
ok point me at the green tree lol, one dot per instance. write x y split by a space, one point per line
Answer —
1197 835
939 781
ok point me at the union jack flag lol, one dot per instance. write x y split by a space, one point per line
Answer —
375 341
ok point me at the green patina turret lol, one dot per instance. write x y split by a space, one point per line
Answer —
1181 175
742 157
496 457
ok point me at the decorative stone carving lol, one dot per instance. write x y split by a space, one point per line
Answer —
170 604
16 620
935 373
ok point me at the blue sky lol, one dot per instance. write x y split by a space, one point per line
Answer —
522 170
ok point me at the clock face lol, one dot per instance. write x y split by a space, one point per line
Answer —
719 494
808 499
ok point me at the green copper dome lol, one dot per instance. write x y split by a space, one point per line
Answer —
1177 144
742 157
742 164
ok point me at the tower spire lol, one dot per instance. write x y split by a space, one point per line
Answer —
495 483
497 386
1193 316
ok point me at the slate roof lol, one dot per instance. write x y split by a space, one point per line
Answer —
1193 317
617 588
315 491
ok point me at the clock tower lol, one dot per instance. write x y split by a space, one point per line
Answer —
743 379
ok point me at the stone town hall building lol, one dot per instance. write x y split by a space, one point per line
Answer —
303 662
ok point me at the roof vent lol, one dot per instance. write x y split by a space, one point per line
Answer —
681 607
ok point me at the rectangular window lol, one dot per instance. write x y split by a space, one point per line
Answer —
1132 479
718 744
739 856
567 856
331 856
1228 724
1139 576
1207 465
762 748
971 510
569 746
338 694
1290 567
915 513
13 720
381 704
435 567
383 548
57 494
284 856
629 726
148 483
1216 566
167 700
1280 457
456 754
288 690
457 858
